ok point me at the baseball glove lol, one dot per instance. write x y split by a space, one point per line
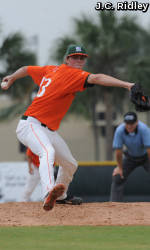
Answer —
141 101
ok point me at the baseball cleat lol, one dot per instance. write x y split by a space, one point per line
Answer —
52 196
72 200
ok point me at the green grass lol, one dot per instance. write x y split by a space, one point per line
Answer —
75 238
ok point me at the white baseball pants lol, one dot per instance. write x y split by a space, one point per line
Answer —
32 181
50 147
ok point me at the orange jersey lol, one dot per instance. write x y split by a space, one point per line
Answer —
57 88
34 158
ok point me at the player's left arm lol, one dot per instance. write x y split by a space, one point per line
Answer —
105 80
10 79
145 133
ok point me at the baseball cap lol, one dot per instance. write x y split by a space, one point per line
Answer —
130 117
75 50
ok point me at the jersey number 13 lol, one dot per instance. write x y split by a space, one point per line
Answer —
43 85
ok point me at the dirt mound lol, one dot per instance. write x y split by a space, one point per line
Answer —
105 213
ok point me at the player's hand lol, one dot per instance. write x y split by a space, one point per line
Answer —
8 80
119 171
31 170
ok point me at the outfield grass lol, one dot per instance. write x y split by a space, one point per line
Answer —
75 238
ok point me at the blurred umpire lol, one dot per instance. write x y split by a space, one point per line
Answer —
135 136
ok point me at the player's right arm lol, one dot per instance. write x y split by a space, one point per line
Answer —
117 146
118 169
10 79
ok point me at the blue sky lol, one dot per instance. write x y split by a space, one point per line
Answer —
49 19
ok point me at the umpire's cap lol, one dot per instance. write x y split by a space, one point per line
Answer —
130 117
75 50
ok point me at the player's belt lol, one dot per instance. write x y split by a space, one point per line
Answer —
24 117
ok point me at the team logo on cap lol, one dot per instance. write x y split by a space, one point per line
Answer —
78 49
129 117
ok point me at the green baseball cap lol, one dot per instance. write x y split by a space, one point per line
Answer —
75 50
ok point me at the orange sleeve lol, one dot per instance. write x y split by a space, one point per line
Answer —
38 72
82 79
77 80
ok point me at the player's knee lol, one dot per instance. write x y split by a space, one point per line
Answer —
74 165
71 170
71 166
48 152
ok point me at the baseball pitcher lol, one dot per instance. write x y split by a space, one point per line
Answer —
38 127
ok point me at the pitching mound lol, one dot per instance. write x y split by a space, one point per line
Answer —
95 214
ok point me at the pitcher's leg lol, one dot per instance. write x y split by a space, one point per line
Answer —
67 162
35 137
46 168
46 154
64 176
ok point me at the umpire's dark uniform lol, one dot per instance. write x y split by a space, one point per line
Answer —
138 147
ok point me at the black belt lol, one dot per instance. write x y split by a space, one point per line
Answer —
137 159
24 117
